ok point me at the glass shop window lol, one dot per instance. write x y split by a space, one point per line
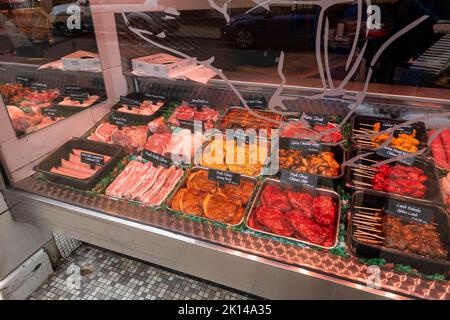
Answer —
49 64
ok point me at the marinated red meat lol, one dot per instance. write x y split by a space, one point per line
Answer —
307 228
324 210
275 221
276 198
302 201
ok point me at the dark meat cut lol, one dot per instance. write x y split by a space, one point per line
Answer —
302 201
275 221
306 227
275 198
324 210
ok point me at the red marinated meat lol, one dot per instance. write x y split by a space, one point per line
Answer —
324 210
274 197
307 228
275 221
301 201
445 136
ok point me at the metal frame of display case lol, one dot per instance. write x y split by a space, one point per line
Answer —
260 266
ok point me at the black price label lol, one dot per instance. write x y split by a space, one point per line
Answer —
25 81
73 89
155 98
118 120
389 153
256 102
191 124
299 179
409 211
304 145
39 86
199 103
129 102
386 125
156 159
224 177
81 97
92 159
50 112
315 119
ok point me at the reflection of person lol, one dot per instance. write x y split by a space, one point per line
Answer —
41 24
410 45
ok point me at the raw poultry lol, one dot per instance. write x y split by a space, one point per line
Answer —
322 163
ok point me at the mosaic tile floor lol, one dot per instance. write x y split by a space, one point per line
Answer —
90 273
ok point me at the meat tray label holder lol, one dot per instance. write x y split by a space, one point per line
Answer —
155 98
156 159
409 211
254 102
315 119
117 120
385 125
298 179
39 86
130 102
199 103
51 112
76 93
224 177
309 146
388 152
92 159
25 81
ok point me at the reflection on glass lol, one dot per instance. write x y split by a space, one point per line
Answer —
42 44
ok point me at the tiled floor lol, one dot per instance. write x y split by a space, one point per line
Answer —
92 273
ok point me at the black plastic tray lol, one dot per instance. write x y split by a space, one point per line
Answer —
137 119
339 156
421 131
54 159
75 109
420 263
433 194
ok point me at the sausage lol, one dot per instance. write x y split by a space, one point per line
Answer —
439 154
445 136
70 173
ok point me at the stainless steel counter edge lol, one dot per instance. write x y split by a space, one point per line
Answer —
246 272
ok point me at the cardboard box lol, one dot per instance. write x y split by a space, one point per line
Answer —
82 61
162 65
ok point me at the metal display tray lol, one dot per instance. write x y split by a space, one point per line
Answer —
334 195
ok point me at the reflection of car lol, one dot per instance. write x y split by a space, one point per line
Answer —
282 25
60 14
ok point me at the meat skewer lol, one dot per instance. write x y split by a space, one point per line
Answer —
366 208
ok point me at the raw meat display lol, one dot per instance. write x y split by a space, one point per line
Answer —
410 237
402 180
440 147
247 159
145 183
69 102
205 198
74 168
295 214
147 108
180 145
241 118
294 129
131 138
322 163
204 114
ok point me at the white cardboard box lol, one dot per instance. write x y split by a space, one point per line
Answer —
82 61
162 65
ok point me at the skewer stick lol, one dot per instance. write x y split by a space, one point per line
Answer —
369 160
367 217
362 175
365 222
363 218
362 183
358 227
366 125
365 168
372 235
369 240
368 173
366 208
365 131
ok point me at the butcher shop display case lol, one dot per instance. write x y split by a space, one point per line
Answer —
271 185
